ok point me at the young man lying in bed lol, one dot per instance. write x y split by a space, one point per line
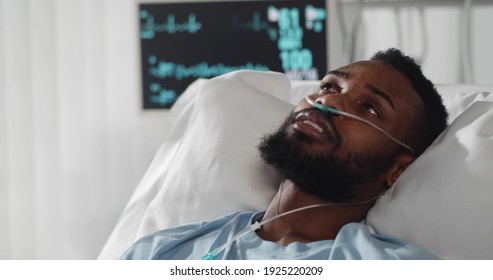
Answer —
335 166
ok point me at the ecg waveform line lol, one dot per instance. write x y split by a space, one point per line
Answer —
149 28
166 69
257 25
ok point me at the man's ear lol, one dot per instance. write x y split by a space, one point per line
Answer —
402 162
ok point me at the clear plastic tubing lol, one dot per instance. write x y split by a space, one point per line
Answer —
336 112
211 255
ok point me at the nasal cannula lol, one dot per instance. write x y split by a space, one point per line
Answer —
335 111
257 225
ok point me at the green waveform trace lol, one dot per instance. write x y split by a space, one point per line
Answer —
149 28
166 69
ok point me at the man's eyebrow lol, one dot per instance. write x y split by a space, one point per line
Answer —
338 73
382 94
373 89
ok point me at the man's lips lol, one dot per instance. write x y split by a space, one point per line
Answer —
315 123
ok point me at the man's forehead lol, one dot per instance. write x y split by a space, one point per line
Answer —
366 66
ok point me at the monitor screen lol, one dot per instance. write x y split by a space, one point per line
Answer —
181 42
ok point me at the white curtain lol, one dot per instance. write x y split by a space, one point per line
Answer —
74 141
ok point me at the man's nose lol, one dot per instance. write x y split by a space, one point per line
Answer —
334 100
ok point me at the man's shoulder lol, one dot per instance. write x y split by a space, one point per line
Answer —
152 245
204 225
358 239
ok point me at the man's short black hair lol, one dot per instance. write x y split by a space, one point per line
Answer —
430 120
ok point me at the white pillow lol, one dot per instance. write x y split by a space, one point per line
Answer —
457 98
209 165
444 200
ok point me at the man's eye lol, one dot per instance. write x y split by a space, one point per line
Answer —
370 109
328 87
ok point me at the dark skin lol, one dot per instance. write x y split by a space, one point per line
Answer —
374 91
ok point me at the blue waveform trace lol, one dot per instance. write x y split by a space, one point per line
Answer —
256 24
149 28
166 69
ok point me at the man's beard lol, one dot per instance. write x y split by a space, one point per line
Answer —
325 175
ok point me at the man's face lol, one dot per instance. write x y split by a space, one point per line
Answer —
333 156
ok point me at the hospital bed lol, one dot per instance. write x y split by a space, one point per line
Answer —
208 166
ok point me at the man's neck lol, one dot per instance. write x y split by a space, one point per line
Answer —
319 223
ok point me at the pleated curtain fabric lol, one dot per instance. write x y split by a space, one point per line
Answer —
74 141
